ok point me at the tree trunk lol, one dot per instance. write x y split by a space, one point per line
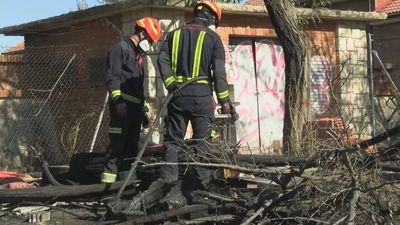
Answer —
297 76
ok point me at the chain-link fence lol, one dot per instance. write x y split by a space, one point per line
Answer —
52 99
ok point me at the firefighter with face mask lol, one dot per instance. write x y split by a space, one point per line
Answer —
190 51
125 76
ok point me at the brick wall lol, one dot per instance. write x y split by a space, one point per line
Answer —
9 65
91 42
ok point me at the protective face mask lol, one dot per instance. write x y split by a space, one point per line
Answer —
144 45
212 27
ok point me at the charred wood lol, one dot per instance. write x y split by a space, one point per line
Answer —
58 192
166 215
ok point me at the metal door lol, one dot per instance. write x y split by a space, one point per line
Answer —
256 69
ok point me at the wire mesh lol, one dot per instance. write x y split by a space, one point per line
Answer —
51 100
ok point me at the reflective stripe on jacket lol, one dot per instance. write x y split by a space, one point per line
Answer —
125 73
190 51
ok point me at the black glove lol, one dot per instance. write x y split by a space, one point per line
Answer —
229 108
226 107
234 114
120 107
175 89
145 117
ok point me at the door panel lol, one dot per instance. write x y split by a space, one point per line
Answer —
271 85
258 77
242 75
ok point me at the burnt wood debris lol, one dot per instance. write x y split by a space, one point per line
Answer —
330 187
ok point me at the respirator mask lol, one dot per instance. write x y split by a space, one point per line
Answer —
144 45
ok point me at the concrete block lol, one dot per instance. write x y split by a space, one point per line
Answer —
358 86
151 74
343 55
361 43
361 101
361 70
347 113
346 71
346 98
362 54
353 57
342 44
349 44
357 33
344 32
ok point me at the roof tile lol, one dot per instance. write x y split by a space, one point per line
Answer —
392 8
255 2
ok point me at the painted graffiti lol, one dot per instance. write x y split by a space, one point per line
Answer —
260 91
321 73
261 128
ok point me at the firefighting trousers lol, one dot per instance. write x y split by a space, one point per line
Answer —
124 136
199 111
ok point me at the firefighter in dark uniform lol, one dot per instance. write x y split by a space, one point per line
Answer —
190 51
125 76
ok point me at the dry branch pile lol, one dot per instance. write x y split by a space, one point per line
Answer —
342 186
333 187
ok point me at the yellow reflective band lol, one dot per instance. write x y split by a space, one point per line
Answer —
214 133
175 50
115 130
202 82
110 174
181 79
146 103
108 177
169 81
131 98
107 181
115 93
223 94
197 54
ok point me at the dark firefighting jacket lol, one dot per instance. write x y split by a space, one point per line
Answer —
125 73
190 51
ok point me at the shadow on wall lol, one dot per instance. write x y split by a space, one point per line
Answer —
21 130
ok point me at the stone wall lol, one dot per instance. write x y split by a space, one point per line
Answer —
354 79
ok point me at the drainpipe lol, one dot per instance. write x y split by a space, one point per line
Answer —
371 77
370 69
